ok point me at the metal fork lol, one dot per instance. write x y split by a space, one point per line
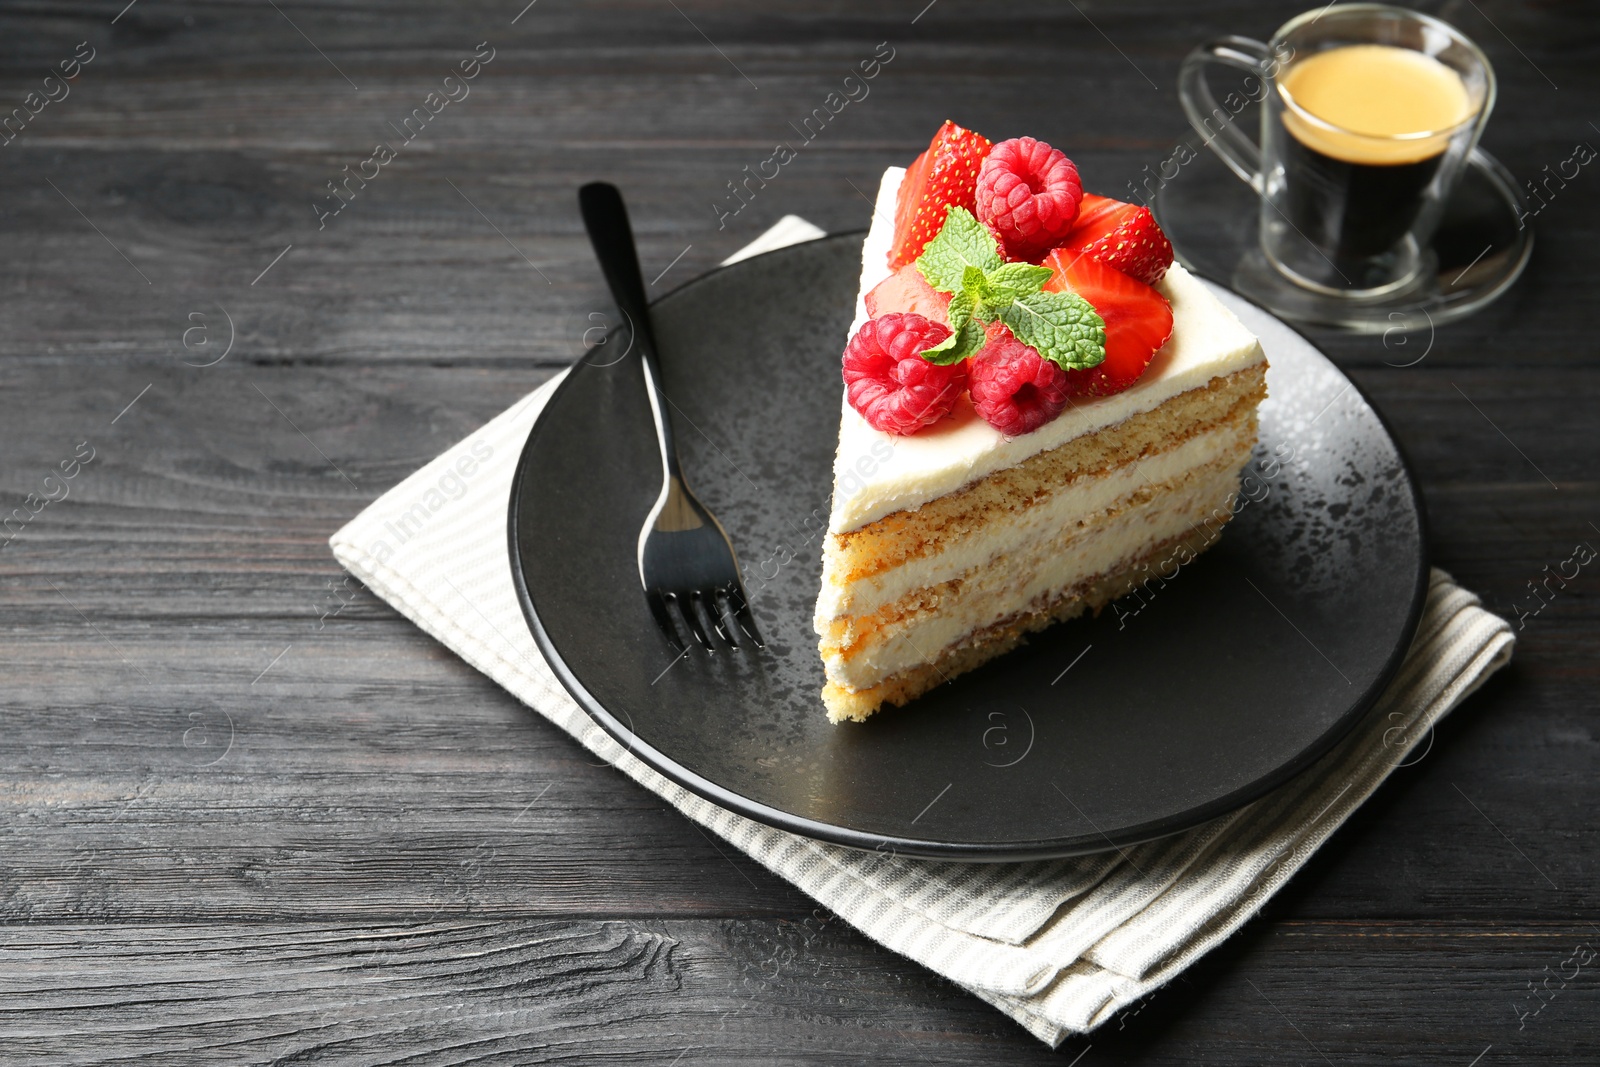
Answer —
686 560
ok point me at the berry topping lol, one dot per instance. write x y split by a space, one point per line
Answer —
965 262
907 290
942 177
1124 236
888 381
1138 320
1028 192
1013 388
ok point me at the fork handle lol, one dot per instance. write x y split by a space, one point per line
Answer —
605 216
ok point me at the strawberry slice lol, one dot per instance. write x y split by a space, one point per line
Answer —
1138 320
1097 216
1124 236
944 176
907 290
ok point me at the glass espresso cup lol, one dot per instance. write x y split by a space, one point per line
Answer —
1368 114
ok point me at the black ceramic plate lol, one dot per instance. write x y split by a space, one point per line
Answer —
1166 710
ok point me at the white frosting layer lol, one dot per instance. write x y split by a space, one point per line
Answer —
1084 498
1048 567
876 474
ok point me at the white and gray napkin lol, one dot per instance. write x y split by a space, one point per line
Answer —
1060 946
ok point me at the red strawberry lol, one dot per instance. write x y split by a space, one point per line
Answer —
1013 388
888 381
943 177
907 290
1028 193
1097 216
1124 236
1138 320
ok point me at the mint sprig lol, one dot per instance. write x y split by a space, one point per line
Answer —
964 261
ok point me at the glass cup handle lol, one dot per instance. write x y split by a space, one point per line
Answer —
1210 119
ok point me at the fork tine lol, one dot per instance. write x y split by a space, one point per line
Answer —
658 608
692 620
708 601
741 615
723 605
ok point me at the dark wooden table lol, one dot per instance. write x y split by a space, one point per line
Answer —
241 826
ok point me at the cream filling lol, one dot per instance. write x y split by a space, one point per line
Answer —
876 474
1003 590
1077 501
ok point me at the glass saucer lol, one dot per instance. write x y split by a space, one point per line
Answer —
1211 218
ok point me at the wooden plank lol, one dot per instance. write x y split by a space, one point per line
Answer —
797 990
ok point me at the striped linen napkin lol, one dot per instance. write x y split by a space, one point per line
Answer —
1060 945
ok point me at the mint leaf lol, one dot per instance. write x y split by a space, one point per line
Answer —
966 335
996 297
1062 327
964 343
973 281
961 243
1023 276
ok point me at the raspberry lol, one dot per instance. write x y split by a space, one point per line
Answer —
1029 192
1014 389
889 382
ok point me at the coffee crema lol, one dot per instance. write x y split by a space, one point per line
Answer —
1377 104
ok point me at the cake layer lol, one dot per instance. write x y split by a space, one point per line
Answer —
1002 636
860 652
1005 525
876 474
870 553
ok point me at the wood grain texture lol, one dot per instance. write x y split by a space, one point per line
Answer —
243 823
737 991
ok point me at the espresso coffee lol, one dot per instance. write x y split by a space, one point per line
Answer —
1368 126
